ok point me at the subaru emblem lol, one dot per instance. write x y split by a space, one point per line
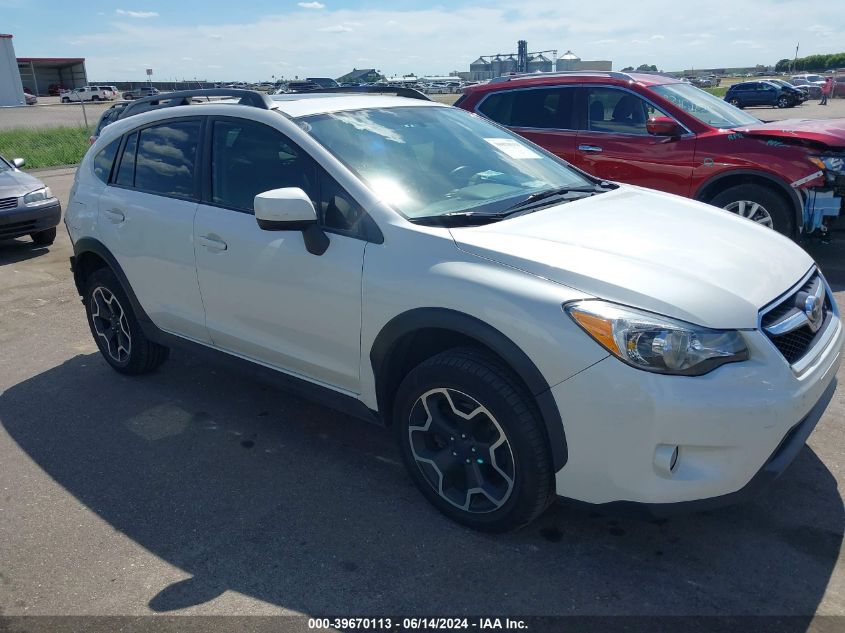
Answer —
813 310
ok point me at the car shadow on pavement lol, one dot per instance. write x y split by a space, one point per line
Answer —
248 489
15 251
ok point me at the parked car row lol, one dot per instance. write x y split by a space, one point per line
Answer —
529 329
89 93
140 91
764 93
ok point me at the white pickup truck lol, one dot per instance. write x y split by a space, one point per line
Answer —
88 93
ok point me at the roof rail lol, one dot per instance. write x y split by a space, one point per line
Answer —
185 97
564 73
409 93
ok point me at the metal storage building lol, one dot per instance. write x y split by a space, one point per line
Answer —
39 73
11 90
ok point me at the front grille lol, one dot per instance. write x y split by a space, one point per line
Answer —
789 328
8 203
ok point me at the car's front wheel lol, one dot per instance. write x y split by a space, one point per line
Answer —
115 327
472 441
783 102
736 103
758 204
44 238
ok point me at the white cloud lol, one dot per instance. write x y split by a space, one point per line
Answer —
437 34
137 14
657 37
311 5
336 28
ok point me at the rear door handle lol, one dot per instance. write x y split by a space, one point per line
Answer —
589 148
115 216
213 243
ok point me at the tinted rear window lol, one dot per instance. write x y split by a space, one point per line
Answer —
126 172
167 157
104 160
550 108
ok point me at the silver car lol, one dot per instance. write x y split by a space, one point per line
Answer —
27 207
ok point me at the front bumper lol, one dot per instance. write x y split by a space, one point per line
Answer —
736 429
27 220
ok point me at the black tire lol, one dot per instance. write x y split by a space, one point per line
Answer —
736 103
44 238
472 375
95 98
65 100
143 355
774 204
783 102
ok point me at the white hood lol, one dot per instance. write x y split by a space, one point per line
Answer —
650 250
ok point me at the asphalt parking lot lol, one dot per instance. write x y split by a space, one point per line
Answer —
197 490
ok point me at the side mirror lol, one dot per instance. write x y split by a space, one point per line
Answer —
18 162
290 209
664 126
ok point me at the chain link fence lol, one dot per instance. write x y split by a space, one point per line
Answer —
47 135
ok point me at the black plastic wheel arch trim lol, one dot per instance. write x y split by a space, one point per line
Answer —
384 357
91 245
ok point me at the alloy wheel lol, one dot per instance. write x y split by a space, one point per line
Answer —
751 210
461 450
111 324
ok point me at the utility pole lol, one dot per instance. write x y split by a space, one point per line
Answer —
795 61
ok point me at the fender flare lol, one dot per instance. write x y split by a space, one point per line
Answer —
384 361
92 245
777 183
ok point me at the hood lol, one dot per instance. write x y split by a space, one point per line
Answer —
14 184
649 250
830 132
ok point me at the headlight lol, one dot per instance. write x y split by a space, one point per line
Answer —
656 343
833 164
39 195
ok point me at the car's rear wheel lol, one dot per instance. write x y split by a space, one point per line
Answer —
473 442
65 100
44 238
115 327
758 204
735 102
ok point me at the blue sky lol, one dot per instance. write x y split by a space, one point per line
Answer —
258 39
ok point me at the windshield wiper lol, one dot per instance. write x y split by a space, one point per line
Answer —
524 206
560 191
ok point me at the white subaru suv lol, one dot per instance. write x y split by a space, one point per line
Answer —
528 331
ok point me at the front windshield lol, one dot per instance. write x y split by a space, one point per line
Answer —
430 161
705 107
4 166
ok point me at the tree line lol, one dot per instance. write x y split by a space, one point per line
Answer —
812 62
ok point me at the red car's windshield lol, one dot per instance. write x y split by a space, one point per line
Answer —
705 107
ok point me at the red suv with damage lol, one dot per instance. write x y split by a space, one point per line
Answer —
658 132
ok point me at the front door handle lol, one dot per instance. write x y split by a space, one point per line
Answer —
115 216
589 148
213 243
